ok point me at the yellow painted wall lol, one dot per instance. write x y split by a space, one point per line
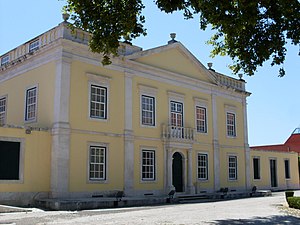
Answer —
174 60
79 147
15 89
79 99
163 111
37 156
202 185
224 177
224 105
265 179
159 158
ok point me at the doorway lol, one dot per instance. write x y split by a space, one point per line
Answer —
273 173
177 172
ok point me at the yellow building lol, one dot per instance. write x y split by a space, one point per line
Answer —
152 121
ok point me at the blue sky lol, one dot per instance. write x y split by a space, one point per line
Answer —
273 107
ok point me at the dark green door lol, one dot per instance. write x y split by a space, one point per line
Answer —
177 172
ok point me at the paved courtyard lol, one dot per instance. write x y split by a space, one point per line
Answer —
263 210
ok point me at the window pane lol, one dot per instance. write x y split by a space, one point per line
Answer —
148 113
97 162
98 102
31 100
148 165
202 166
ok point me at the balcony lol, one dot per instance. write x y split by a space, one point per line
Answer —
177 133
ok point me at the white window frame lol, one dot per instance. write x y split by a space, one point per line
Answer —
229 133
289 169
21 160
101 87
98 80
149 111
34 45
150 92
153 166
206 167
104 148
235 168
3 110
4 60
35 104
205 119
182 112
259 167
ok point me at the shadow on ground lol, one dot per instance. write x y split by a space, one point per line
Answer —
291 220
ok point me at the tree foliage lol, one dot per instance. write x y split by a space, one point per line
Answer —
250 32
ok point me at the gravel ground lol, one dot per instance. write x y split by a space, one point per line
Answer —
249 211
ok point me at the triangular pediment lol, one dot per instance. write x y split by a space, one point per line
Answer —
174 58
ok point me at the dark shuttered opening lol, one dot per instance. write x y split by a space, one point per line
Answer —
9 160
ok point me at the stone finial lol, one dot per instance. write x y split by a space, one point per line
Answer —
65 16
173 36
210 64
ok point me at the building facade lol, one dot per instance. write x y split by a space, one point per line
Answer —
152 121
281 163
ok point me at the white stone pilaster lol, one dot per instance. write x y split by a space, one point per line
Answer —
247 148
128 138
190 186
169 169
60 153
216 147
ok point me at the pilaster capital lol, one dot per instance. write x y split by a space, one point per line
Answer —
128 75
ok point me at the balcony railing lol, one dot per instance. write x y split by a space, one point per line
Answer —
231 82
177 133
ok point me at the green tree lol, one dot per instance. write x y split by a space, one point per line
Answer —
250 32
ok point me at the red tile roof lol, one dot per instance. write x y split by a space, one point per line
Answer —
292 144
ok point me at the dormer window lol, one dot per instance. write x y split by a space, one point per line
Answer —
4 60
33 46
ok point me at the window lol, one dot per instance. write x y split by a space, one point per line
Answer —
202 166
148 165
97 163
201 124
98 102
256 168
148 110
33 46
31 104
176 114
287 169
2 110
231 131
232 168
9 160
4 60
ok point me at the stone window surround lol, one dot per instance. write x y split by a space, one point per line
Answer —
102 81
148 91
207 166
26 120
21 158
5 107
203 103
101 145
152 111
153 149
236 167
